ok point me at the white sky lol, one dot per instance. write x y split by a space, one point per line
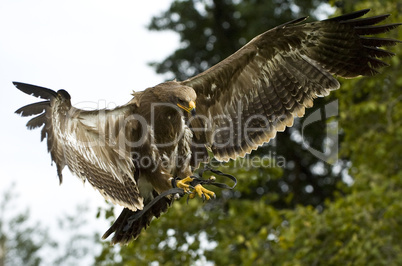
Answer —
97 51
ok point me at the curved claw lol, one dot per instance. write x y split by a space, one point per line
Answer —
204 193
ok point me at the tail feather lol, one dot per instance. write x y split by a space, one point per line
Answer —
125 230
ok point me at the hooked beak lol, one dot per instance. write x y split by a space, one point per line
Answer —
189 109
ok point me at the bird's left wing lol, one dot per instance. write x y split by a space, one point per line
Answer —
93 144
245 99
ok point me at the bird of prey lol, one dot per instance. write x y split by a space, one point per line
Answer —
131 153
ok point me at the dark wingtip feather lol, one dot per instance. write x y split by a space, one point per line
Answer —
376 52
37 121
292 22
369 30
370 45
349 16
43 134
36 91
59 174
366 21
33 109
376 63
378 42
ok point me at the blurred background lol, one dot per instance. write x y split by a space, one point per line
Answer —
297 209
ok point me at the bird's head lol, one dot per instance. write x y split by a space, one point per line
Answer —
63 97
182 96
63 94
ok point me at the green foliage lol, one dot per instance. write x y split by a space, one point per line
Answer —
212 30
258 223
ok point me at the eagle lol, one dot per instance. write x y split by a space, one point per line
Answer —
135 152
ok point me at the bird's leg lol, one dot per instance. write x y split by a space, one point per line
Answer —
202 192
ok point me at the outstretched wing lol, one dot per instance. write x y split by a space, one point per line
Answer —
91 143
245 99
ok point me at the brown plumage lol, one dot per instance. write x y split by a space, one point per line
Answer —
261 87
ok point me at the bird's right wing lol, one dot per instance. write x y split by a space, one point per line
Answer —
93 144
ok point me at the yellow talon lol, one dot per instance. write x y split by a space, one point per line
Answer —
198 189
182 184
203 192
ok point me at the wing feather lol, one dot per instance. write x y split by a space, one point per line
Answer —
33 109
36 91
37 121
92 144
278 74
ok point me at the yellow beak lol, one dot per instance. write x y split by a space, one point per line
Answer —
190 108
